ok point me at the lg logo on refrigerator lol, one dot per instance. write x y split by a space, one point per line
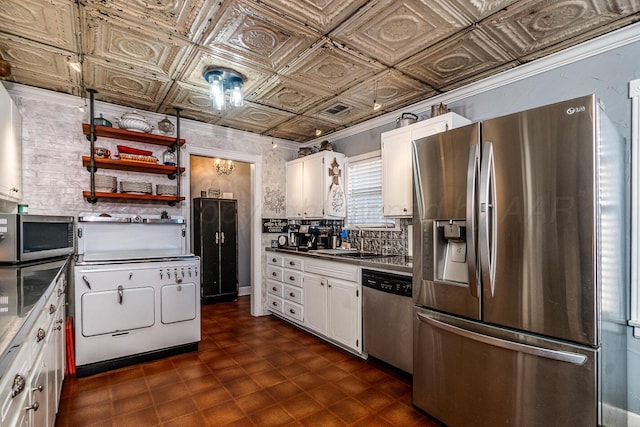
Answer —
572 110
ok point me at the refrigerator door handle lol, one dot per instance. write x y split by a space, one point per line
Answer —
217 238
561 356
472 178
486 222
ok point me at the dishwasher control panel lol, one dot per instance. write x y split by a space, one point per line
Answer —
387 282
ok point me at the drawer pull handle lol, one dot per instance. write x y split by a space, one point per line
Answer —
274 289
273 259
292 278
18 385
40 335
120 294
292 263
57 328
35 406
274 303
291 294
52 309
39 388
292 311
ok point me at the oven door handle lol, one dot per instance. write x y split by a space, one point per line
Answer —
86 281
120 294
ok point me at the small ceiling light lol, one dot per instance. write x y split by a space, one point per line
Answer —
221 81
75 65
376 104
273 144
224 167
318 130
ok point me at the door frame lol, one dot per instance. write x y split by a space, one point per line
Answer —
255 162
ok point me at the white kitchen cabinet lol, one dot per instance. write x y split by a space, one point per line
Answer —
315 186
344 323
397 171
11 148
315 303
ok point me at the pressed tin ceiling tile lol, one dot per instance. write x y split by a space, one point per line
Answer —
331 68
34 65
392 30
126 85
322 15
181 17
116 40
257 34
290 95
49 22
456 59
194 100
532 25
255 118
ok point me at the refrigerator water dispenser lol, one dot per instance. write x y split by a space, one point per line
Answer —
451 251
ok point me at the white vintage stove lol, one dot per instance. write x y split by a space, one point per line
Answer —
137 291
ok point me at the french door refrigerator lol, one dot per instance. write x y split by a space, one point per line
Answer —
520 270
215 232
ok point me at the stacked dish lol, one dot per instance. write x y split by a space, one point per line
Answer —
166 190
106 183
135 187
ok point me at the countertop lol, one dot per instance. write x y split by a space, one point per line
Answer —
23 291
397 263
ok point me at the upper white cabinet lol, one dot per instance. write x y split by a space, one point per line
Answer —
315 186
11 148
397 175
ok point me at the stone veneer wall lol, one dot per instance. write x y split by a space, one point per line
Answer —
53 143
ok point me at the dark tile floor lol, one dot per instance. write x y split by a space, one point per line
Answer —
248 371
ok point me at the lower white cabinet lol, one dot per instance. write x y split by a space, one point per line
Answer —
319 295
30 388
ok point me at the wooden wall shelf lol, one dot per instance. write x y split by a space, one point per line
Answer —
127 196
129 166
129 135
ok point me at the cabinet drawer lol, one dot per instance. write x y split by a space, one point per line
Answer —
292 277
274 273
292 310
294 263
339 270
292 293
274 288
275 259
274 303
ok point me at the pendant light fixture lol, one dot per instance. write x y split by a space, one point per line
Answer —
224 167
223 81
376 104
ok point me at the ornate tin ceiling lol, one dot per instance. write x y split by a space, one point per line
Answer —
308 63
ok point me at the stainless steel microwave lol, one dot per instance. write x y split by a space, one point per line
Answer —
32 237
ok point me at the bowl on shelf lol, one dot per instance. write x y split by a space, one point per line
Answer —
101 153
134 121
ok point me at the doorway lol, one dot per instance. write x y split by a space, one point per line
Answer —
243 183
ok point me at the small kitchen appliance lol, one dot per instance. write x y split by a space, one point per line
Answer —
32 237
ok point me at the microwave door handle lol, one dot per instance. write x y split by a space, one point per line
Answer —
472 178
486 221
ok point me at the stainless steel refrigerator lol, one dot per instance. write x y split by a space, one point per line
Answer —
520 270
215 241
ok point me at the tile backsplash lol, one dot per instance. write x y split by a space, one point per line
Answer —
388 242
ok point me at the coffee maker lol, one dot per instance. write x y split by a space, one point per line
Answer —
308 237
293 235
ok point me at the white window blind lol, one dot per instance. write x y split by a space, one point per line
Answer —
364 206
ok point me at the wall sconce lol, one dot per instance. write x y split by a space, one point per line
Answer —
222 81
224 167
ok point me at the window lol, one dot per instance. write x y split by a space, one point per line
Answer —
364 184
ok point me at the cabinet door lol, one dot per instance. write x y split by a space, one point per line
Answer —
315 303
38 413
179 303
343 313
11 148
228 247
314 190
295 191
397 180
117 311
60 348
207 244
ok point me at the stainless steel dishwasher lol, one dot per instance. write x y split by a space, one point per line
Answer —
387 310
